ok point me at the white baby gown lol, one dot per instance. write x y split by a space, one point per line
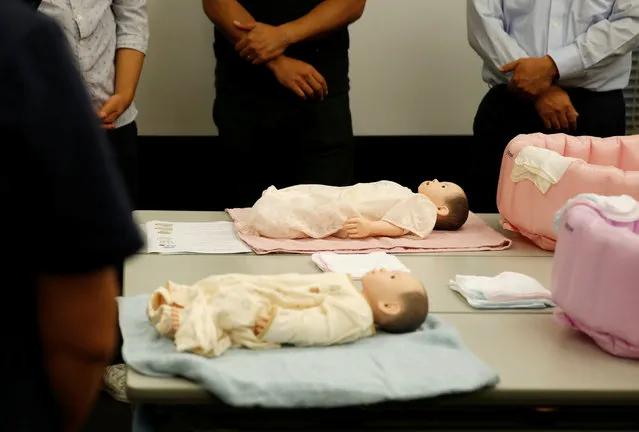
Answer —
319 211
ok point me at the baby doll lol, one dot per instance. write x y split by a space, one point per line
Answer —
375 209
268 311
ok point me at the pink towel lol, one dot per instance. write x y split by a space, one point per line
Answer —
475 235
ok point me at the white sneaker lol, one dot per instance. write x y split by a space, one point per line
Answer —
115 382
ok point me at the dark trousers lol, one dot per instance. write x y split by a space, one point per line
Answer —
502 116
124 145
281 141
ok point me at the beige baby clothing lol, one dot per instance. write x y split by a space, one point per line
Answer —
318 211
220 312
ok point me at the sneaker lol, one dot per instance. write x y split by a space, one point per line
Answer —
115 382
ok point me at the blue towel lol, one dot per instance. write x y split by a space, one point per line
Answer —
427 363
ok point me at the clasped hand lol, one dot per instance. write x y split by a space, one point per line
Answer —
113 109
300 77
556 110
265 44
532 77
262 42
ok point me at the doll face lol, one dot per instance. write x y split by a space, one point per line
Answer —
383 290
440 192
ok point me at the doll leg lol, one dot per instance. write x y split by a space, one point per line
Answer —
166 320
164 313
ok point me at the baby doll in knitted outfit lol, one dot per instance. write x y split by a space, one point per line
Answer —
268 311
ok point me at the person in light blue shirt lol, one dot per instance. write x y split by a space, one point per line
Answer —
109 40
552 66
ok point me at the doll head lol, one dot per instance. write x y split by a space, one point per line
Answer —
398 300
451 202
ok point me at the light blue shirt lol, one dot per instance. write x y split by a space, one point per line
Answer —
95 29
591 41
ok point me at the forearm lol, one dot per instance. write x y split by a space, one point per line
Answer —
132 31
223 13
487 36
76 383
78 319
296 327
386 229
602 43
128 67
328 16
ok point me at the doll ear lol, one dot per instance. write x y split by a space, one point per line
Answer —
443 211
389 308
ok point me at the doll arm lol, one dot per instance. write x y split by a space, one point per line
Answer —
333 322
384 228
416 214
198 332
358 227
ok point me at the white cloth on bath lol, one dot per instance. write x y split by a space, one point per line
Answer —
319 211
220 312
357 265
507 290
541 166
619 208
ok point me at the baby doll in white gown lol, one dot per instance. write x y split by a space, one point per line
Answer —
377 209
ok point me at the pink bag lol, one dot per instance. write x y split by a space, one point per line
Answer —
595 279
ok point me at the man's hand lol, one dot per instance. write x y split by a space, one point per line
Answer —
260 324
262 43
531 76
358 227
113 109
300 77
556 110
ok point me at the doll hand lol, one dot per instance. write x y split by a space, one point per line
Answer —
260 324
358 227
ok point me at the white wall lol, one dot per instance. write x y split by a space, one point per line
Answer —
412 71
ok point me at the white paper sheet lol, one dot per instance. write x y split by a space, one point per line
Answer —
193 237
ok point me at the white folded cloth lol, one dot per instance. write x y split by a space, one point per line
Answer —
541 166
507 290
618 208
357 265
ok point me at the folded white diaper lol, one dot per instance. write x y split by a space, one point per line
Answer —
619 208
507 290
357 265
541 166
